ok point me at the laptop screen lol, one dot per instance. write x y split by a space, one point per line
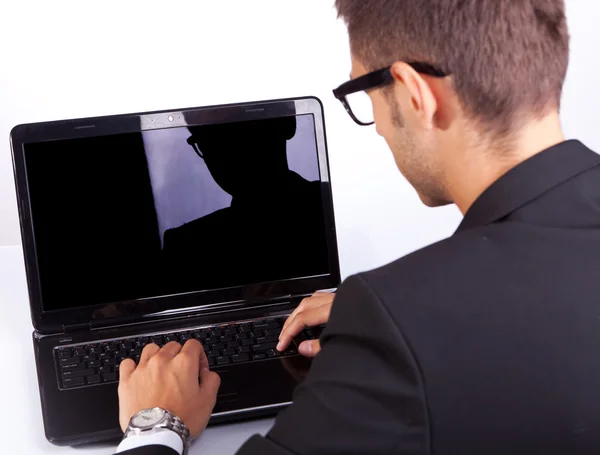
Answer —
172 211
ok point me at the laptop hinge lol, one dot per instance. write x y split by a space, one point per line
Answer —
70 328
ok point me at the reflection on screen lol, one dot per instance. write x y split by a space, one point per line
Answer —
176 210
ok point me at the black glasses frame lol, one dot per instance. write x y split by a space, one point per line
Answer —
377 79
194 145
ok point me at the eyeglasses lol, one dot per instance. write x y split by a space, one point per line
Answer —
353 94
192 142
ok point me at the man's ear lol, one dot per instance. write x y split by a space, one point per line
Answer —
419 98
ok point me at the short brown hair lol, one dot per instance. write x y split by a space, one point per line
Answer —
508 58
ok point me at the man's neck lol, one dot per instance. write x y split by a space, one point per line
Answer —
478 168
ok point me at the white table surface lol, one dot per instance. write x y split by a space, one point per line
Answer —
21 431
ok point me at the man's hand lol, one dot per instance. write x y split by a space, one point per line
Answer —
312 311
168 378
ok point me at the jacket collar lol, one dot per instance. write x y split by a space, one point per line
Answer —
529 180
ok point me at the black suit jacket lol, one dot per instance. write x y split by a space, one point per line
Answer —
485 343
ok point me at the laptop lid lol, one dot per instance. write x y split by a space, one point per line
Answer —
145 216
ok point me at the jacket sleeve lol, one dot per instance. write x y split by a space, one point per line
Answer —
150 450
363 394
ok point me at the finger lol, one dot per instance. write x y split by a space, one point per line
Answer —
126 368
170 350
310 348
149 351
316 316
318 299
194 351
209 385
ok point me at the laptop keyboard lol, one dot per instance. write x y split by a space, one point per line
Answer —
91 364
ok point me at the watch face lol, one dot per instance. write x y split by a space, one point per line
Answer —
148 418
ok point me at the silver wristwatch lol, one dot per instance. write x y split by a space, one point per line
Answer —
152 420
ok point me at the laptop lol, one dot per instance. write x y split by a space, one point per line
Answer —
210 223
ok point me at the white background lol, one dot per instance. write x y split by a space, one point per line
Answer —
75 59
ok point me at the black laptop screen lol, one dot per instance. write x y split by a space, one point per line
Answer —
171 211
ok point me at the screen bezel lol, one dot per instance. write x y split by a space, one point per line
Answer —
162 307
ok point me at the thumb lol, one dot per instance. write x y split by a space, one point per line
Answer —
309 348
209 383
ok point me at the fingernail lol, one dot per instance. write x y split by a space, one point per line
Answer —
305 348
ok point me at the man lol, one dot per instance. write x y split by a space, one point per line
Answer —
484 343
248 160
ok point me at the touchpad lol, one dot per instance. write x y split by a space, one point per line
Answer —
228 383
259 383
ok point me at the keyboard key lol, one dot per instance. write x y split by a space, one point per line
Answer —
94 364
267 326
105 355
109 377
223 360
72 382
226 338
242 336
105 369
211 362
158 340
80 351
77 373
240 358
229 351
65 353
94 379
245 328
259 356
213 353
267 339
244 350
89 358
264 346
233 344
73 367
248 342
273 353
218 346
69 361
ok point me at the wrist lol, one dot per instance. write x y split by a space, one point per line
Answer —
153 423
